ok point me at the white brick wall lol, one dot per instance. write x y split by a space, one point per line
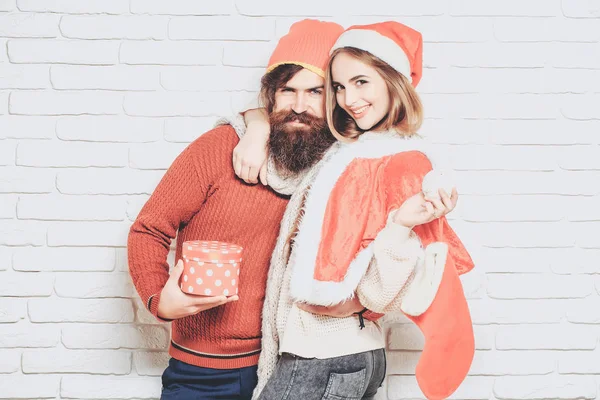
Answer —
98 97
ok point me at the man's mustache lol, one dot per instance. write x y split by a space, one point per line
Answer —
304 118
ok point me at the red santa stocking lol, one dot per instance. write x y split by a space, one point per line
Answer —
446 324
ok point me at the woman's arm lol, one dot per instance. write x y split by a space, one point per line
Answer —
396 251
250 154
398 256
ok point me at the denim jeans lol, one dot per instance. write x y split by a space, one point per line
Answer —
353 377
183 381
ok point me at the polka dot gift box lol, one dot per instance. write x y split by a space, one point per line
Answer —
210 268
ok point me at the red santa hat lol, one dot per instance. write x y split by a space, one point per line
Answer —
394 43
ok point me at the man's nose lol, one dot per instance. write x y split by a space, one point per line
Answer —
299 105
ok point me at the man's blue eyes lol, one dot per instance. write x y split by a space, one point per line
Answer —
314 91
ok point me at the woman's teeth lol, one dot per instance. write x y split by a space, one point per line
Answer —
359 111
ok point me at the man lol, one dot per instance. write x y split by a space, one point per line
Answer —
216 341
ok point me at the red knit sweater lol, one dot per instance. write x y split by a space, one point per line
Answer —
200 198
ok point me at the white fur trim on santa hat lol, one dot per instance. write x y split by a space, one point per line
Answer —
377 44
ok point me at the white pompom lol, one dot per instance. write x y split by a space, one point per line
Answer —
437 179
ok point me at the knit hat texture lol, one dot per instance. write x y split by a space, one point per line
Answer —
307 44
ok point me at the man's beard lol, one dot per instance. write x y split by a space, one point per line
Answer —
296 148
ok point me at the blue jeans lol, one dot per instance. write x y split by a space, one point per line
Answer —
352 377
183 381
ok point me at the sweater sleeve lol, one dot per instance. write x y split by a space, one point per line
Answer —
236 121
176 199
396 251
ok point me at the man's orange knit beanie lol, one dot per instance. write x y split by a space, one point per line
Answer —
307 44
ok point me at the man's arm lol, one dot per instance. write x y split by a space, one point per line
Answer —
342 310
178 196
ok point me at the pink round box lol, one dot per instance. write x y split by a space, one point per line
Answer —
210 268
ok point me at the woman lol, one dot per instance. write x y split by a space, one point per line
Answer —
359 222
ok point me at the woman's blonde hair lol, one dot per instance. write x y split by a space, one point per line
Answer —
406 111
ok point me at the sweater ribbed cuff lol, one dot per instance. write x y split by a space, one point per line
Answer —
152 306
